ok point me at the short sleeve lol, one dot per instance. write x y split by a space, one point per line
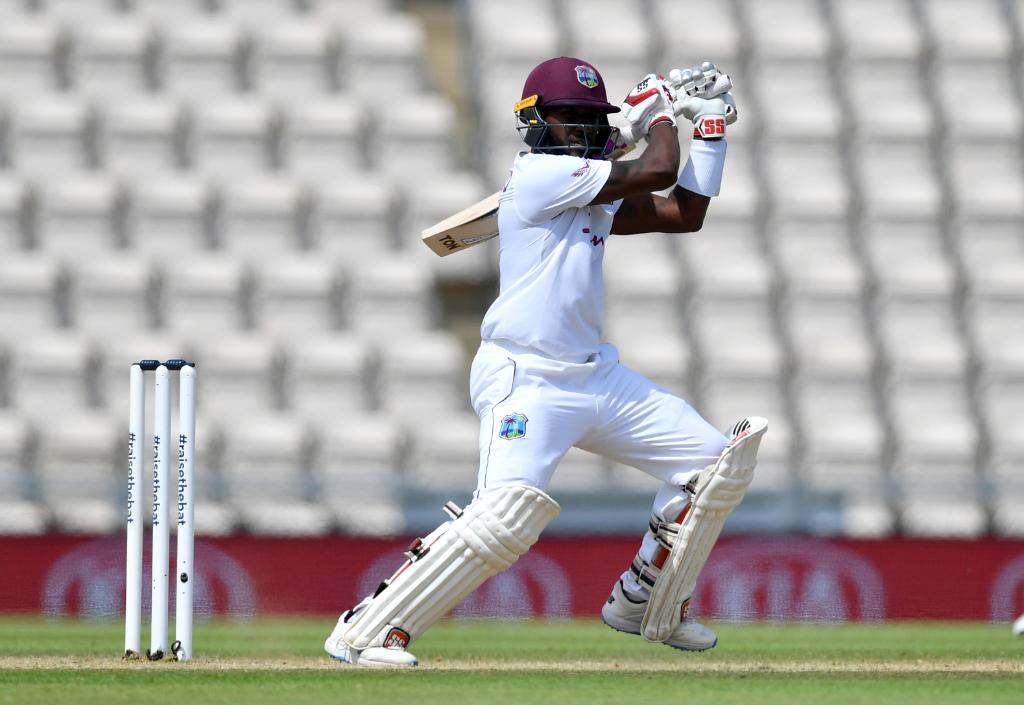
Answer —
548 184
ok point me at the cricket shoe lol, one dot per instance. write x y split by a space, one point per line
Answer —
625 614
393 655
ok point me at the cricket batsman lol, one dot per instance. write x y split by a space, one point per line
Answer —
544 381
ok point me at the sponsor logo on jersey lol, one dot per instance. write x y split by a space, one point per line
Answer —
583 169
513 426
587 76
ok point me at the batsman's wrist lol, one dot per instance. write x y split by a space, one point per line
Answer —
704 168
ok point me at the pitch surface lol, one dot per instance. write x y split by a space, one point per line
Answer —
279 660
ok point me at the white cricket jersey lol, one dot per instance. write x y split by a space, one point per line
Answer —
551 246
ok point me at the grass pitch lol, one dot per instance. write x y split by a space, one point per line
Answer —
281 661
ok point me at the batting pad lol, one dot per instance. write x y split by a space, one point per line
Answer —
485 539
696 535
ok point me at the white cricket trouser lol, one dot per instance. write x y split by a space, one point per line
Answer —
533 410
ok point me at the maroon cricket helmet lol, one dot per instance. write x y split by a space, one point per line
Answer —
567 81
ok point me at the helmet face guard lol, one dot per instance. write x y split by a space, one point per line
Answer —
599 138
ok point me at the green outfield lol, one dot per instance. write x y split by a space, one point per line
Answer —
280 661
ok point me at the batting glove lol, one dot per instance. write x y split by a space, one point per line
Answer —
702 96
649 103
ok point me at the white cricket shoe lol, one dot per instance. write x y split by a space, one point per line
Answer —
625 614
370 657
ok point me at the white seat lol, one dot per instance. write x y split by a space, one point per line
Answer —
291 58
47 135
997 329
726 260
716 37
422 375
140 136
987 180
29 287
582 472
619 50
961 516
829 337
1002 402
640 299
351 218
327 378
445 457
14 202
428 202
297 297
894 31
112 294
232 137
78 454
816 259
162 13
389 295
938 351
170 213
909 118
111 57
992 256
76 11
787 28
898 180
967 28
203 296
936 436
1001 119
200 58
116 354
737 340
51 372
239 376
257 13
817 118
806 179
261 218
267 475
359 473
908 260
662 357
384 50
78 215
28 55
415 142
15 446
323 137
348 10
22 517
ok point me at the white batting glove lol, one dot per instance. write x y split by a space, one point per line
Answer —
650 102
702 96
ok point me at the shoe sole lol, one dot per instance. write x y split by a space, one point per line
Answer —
674 646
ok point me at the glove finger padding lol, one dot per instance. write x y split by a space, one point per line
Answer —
650 102
704 81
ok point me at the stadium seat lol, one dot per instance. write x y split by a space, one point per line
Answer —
787 29
909 260
806 179
829 337
50 372
14 214
640 299
414 142
384 50
15 448
898 180
736 339
31 286
967 29
111 57
322 137
170 217
29 47
444 456
203 296
620 49
662 356
358 473
1000 121
938 351
391 294
116 354
685 42
257 13
261 218
895 33
328 378
267 475
726 260
140 137
241 376
79 215
162 13
818 118
49 135
112 294
911 118
232 138
291 59
580 472
421 376
296 297
75 11
78 454
352 219
201 58
816 259
987 181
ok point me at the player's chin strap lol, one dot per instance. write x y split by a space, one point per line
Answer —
686 543
449 563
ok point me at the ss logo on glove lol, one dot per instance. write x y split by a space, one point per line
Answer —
709 127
